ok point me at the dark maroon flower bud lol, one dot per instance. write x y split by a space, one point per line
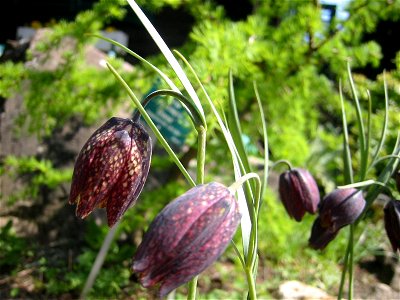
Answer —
186 237
392 223
338 209
111 169
397 178
299 192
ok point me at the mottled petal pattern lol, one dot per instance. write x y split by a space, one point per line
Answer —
111 169
187 236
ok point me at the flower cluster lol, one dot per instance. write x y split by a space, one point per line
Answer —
187 236
299 193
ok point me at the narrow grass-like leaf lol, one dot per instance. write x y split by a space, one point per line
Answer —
143 60
234 125
246 206
153 127
187 103
348 170
169 57
361 184
265 139
235 130
238 254
360 123
385 175
385 123
369 133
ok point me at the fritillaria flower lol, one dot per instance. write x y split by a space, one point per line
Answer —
186 237
397 178
111 169
392 223
338 209
299 193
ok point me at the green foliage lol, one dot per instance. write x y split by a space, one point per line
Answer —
296 61
72 88
12 248
11 75
76 90
289 51
37 173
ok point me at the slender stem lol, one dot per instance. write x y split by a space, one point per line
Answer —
344 271
369 133
192 288
251 283
186 103
201 155
282 161
99 261
351 262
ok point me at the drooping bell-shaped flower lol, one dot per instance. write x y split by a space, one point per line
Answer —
111 169
392 223
186 237
339 208
299 192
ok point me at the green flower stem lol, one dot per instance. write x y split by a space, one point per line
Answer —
187 104
250 213
153 127
351 262
348 175
201 153
282 161
344 271
251 283
101 256
252 253
201 158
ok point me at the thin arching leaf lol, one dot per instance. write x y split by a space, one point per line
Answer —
348 170
169 57
246 206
